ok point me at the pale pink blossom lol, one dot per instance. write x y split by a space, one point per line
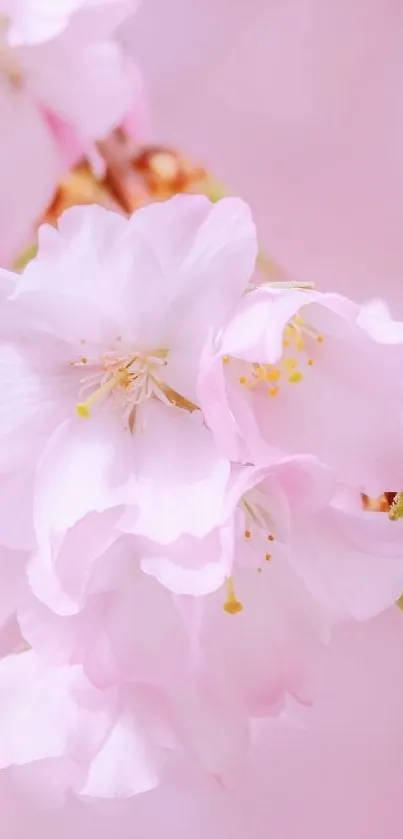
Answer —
290 512
213 670
99 743
247 610
216 619
256 526
99 377
65 82
112 742
309 372
347 746
130 627
188 802
295 556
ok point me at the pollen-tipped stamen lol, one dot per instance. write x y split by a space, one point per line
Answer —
232 605
84 408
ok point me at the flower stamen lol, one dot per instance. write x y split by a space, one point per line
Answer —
132 380
232 605
84 408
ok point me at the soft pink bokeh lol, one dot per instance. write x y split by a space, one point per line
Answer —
297 105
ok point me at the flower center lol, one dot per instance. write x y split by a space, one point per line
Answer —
9 65
300 346
128 381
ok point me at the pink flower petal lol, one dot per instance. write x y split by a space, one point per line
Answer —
181 478
131 758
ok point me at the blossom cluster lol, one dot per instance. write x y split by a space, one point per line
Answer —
184 456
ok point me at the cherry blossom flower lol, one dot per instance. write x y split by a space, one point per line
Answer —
108 325
65 82
212 671
309 372
98 743
237 647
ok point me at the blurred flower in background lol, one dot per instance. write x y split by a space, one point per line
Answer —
65 82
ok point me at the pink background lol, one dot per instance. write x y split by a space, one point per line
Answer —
297 105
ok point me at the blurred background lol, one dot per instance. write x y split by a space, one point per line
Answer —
297 106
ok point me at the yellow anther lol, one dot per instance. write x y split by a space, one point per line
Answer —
274 391
83 360
290 363
300 344
320 339
311 362
286 343
248 534
273 374
267 557
226 359
295 377
243 380
232 606
83 410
